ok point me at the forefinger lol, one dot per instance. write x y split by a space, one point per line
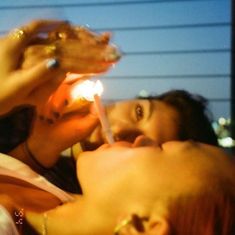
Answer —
14 43
26 33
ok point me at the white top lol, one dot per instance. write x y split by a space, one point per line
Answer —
7 225
14 168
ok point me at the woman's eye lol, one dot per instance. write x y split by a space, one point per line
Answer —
139 112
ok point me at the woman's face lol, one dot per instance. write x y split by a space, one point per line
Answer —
148 171
131 118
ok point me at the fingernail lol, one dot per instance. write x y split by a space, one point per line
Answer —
66 22
52 63
41 118
66 102
56 115
49 121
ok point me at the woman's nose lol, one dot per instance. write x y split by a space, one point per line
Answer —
143 140
126 135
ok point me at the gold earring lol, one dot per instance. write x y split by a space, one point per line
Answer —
121 225
134 220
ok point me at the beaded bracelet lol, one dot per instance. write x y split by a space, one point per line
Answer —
36 164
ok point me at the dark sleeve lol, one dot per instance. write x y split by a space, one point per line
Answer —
63 175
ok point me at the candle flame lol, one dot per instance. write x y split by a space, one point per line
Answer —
86 90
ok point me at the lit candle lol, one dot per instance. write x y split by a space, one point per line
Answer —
91 91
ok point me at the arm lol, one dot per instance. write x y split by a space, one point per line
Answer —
48 140
33 79
18 84
90 54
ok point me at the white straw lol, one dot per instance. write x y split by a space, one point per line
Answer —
103 119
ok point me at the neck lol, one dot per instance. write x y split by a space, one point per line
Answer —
77 217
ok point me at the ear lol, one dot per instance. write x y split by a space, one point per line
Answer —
158 225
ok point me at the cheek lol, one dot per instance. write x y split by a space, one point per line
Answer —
162 130
119 112
94 170
89 175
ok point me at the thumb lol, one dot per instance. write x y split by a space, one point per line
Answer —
82 125
87 124
39 74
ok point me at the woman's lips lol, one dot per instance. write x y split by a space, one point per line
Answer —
94 140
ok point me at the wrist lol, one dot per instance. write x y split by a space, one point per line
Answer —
42 153
33 161
24 154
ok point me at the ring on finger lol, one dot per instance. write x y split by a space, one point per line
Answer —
51 49
18 33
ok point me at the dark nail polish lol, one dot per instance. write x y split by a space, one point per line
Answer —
52 63
66 102
49 121
66 22
41 118
56 115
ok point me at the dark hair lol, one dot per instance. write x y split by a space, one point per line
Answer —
195 120
15 127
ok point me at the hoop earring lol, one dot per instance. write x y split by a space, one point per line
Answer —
121 225
134 220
